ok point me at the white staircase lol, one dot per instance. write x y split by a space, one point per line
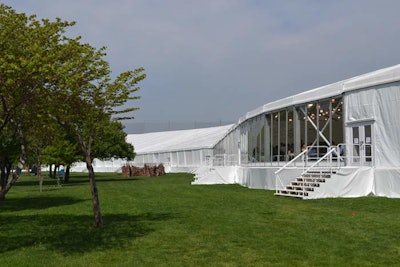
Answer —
306 183
313 175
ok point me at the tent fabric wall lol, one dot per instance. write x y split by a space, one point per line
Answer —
215 175
185 148
348 182
257 178
111 165
378 105
387 182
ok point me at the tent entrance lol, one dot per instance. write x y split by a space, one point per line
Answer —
362 145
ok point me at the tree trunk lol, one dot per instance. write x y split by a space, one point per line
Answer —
66 175
5 166
95 195
92 179
39 169
39 174
19 168
3 174
51 170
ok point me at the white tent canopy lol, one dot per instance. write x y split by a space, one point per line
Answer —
177 140
179 151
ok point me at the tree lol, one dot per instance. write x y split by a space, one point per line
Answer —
111 143
40 65
93 115
22 72
61 150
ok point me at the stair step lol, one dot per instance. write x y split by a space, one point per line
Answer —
316 175
287 195
289 192
300 188
320 173
297 190
305 184
310 180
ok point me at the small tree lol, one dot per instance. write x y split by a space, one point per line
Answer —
26 65
87 100
46 74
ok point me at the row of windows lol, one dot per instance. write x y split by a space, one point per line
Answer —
284 133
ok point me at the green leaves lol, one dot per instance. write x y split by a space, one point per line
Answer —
47 77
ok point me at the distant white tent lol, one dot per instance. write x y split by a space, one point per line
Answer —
179 151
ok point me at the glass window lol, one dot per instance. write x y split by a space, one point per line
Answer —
311 121
283 136
337 121
275 136
324 123
290 135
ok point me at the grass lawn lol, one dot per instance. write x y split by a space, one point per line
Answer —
165 221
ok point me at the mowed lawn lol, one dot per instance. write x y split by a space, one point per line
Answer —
166 221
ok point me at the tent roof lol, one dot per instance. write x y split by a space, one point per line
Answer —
382 76
177 140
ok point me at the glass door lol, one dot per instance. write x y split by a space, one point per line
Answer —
362 145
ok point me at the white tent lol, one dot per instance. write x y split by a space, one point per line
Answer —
183 140
351 128
360 113
179 151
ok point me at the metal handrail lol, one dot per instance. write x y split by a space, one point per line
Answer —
330 152
304 155
293 161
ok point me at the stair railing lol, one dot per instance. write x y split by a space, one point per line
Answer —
281 182
328 157
292 163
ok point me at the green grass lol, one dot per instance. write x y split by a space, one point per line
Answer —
165 221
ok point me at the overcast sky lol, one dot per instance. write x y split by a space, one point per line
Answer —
215 60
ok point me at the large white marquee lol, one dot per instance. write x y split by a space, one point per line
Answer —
338 140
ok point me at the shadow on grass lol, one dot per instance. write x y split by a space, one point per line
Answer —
100 180
69 234
37 203
73 181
